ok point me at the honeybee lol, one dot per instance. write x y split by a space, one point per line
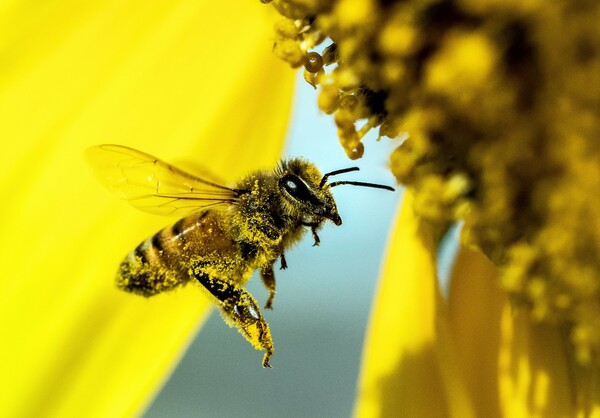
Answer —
225 234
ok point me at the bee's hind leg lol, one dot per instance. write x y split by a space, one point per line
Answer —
241 310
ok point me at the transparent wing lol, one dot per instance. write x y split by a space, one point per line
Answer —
152 185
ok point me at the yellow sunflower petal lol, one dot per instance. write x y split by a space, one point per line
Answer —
400 374
183 79
535 374
474 310
511 366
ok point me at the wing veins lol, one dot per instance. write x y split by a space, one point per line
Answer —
153 185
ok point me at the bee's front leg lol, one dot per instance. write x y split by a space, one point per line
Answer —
313 228
268 278
241 310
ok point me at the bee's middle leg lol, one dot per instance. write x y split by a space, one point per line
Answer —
268 278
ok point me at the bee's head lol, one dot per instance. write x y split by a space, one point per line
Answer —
307 193
303 196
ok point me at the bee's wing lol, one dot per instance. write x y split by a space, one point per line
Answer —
152 185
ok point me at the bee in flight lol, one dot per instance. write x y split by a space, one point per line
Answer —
225 234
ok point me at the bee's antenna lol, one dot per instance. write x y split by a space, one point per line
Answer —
335 173
354 183
360 183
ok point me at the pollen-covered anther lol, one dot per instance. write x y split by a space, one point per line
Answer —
391 128
312 37
286 28
537 291
456 186
344 119
345 79
354 150
434 200
289 51
521 259
329 99
348 103
351 142
347 134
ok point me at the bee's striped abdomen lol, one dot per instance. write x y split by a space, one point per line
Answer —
163 261
151 267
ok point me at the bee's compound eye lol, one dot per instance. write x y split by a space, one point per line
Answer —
296 188
291 185
246 311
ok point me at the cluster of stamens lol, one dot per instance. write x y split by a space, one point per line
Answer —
499 100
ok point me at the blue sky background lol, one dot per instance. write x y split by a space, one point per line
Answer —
321 308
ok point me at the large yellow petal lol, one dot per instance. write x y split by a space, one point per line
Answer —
400 374
183 80
512 366
535 373
474 310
